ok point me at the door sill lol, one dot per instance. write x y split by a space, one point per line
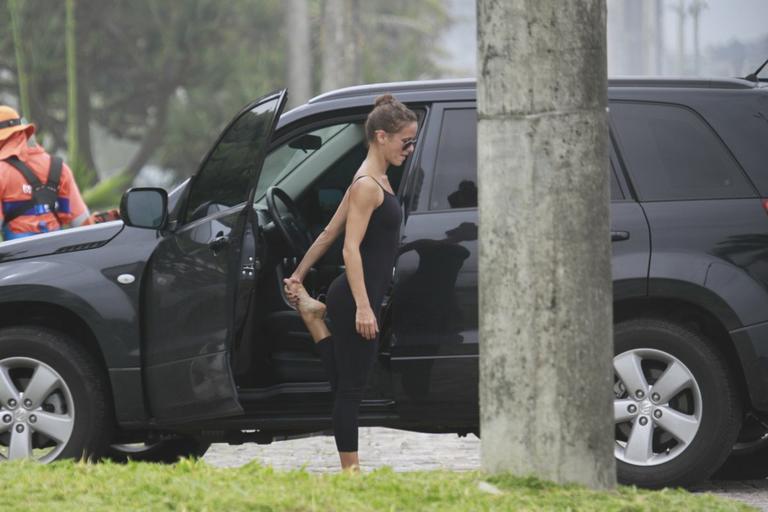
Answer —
285 388
255 394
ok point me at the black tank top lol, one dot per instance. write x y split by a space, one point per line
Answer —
378 248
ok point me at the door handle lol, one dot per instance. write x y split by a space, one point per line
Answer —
219 242
619 236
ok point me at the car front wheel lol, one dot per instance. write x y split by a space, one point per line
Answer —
676 411
53 398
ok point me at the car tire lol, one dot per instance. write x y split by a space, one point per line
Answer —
166 451
680 428
749 457
63 407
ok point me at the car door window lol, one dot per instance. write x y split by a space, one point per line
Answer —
455 181
224 179
316 168
297 152
672 154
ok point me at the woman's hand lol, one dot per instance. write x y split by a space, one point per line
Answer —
289 283
365 323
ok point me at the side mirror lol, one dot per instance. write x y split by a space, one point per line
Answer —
306 142
145 207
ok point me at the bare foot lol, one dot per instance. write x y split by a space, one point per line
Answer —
307 306
350 463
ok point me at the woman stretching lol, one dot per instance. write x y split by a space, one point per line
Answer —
369 215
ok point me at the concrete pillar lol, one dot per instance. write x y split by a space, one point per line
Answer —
545 284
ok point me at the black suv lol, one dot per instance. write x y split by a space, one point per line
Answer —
154 336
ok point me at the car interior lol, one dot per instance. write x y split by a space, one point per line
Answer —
314 168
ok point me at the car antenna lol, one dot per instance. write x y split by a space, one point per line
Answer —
753 76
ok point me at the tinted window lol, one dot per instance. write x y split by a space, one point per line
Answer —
671 153
741 120
225 178
455 181
288 157
616 194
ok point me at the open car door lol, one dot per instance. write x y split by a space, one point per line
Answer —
203 272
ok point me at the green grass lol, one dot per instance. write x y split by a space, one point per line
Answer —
194 485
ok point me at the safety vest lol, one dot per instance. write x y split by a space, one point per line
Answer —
44 196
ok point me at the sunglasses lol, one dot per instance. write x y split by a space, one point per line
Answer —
407 143
10 122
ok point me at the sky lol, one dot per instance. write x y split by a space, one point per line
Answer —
724 20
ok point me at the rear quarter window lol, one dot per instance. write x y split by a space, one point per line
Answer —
741 120
671 153
616 194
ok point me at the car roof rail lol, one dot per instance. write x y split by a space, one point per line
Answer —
395 87
681 82
470 83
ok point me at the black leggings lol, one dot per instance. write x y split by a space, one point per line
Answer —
347 363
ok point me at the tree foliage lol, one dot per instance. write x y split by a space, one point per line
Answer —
168 75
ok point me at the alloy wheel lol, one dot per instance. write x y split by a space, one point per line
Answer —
37 412
657 407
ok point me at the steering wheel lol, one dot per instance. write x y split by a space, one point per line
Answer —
290 224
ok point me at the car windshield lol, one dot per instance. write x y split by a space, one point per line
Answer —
285 159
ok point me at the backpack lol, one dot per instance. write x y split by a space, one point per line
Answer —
44 195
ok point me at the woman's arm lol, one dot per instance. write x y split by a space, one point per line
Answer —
364 197
323 241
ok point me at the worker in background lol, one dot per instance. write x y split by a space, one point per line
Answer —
38 193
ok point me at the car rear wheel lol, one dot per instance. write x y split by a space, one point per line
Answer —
676 411
53 398
749 458
165 451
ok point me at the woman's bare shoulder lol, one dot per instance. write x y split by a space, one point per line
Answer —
365 189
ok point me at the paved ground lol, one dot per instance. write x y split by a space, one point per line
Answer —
752 492
404 451
409 451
